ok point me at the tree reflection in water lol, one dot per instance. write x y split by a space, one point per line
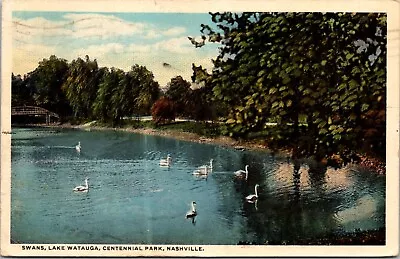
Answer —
281 213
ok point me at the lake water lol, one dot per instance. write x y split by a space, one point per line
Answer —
132 200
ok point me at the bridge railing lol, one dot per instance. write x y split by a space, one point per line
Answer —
32 110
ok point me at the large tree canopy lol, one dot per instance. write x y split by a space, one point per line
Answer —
325 70
103 107
122 94
81 86
22 94
179 91
45 83
147 90
84 90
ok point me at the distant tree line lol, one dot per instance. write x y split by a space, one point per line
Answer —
81 90
321 77
318 78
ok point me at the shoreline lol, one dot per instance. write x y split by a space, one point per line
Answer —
365 161
175 134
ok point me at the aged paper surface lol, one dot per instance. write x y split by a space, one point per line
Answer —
391 8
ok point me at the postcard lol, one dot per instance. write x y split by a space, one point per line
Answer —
200 128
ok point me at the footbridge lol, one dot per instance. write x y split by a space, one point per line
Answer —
33 111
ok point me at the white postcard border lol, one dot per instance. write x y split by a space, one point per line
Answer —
392 149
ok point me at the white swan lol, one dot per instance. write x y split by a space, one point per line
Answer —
192 213
210 167
78 147
242 173
253 197
82 188
204 169
167 161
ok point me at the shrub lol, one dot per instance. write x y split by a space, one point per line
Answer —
163 111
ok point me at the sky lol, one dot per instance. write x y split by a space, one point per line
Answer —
158 41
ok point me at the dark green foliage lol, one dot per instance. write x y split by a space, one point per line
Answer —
123 94
82 91
148 90
45 83
325 70
201 107
103 107
196 104
179 92
207 106
81 86
21 93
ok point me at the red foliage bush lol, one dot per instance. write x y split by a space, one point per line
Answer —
163 110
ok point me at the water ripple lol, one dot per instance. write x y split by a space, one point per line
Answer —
132 199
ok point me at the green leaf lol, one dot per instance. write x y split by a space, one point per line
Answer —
337 137
349 56
323 131
261 73
240 108
286 80
321 124
364 107
272 90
